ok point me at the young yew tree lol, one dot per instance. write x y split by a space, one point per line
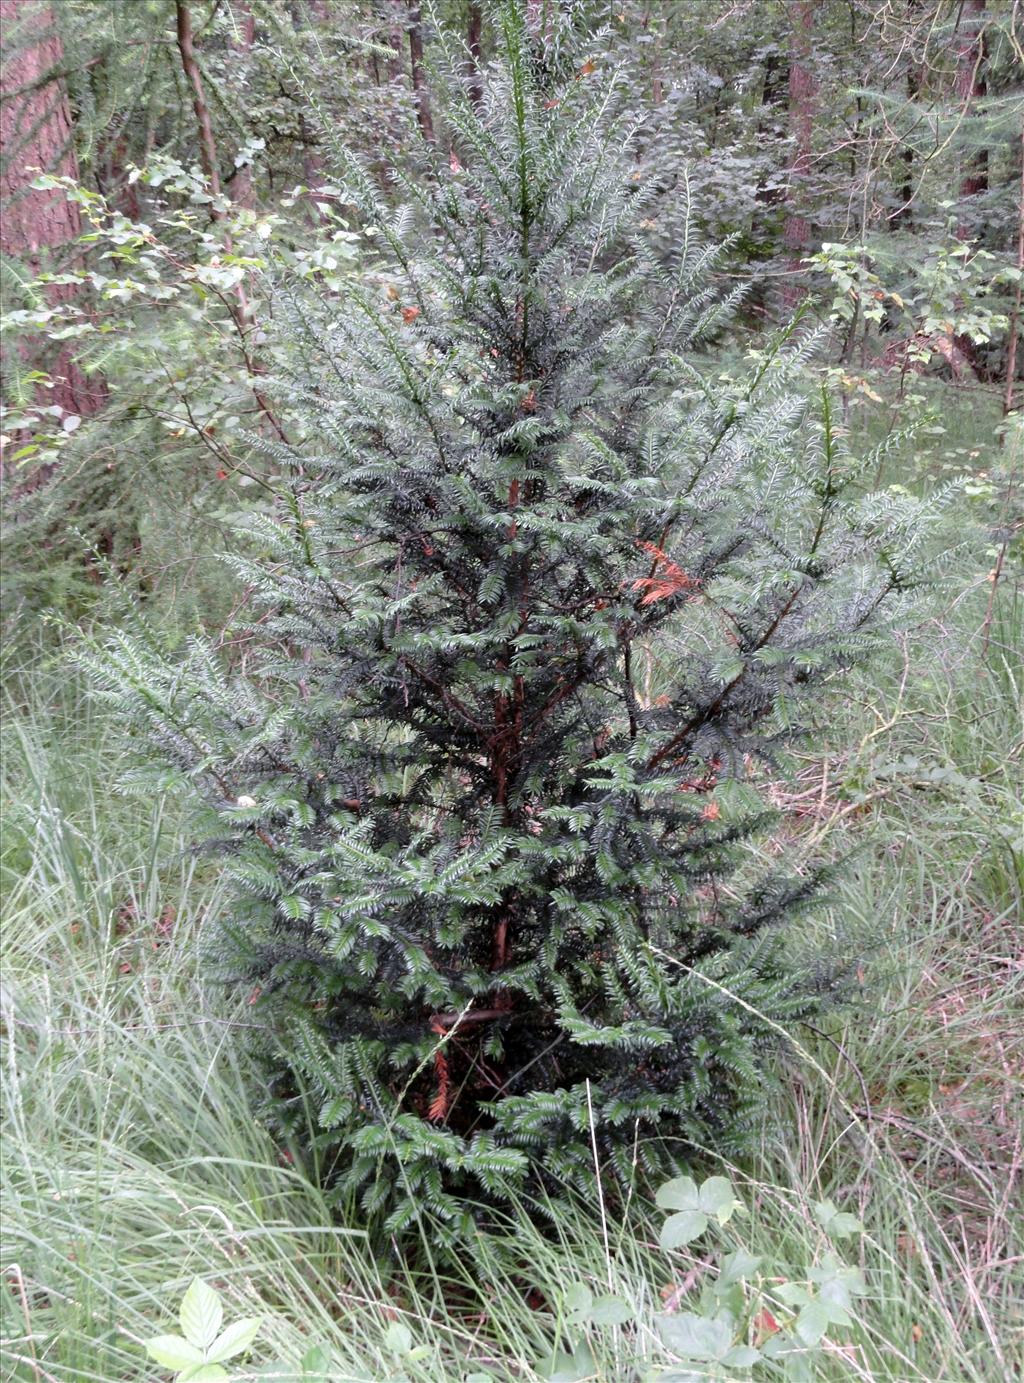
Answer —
536 601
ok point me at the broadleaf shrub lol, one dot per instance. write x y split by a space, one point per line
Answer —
538 597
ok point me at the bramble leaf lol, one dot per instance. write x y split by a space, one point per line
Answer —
682 1229
234 1339
172 1352
201 1314
679 1194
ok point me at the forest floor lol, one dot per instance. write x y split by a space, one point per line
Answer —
133 1162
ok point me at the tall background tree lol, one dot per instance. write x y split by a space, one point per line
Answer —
803 90
38 228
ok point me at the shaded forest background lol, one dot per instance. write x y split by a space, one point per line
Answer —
157 156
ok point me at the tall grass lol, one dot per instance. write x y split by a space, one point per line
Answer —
132 1161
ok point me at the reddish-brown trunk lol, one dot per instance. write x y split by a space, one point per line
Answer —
803 90
190 66
39 227
419 78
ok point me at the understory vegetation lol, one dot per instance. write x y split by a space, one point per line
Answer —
511 737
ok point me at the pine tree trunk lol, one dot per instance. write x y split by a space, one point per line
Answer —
419 80
38 227
970 85
803 89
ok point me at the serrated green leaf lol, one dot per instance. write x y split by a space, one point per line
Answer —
610 1310
839 1223
697 1337
837 1312
234 1339
838 1283
715 1193
682 1229
739 1266
204 1373
812 1322
741 1357
679 1194
731 1298
560 1367
794 1358
316 1360
578 1300
792 1294
201 1314
172 1352
398 1338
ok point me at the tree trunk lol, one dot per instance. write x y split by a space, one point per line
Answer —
36 133
803 90
474 26
902 217
419 80
396 41
970 85
204 125
240 311
657 30
312 163
241 50
538 17
1015 315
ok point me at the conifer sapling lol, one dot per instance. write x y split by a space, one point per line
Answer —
538 596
